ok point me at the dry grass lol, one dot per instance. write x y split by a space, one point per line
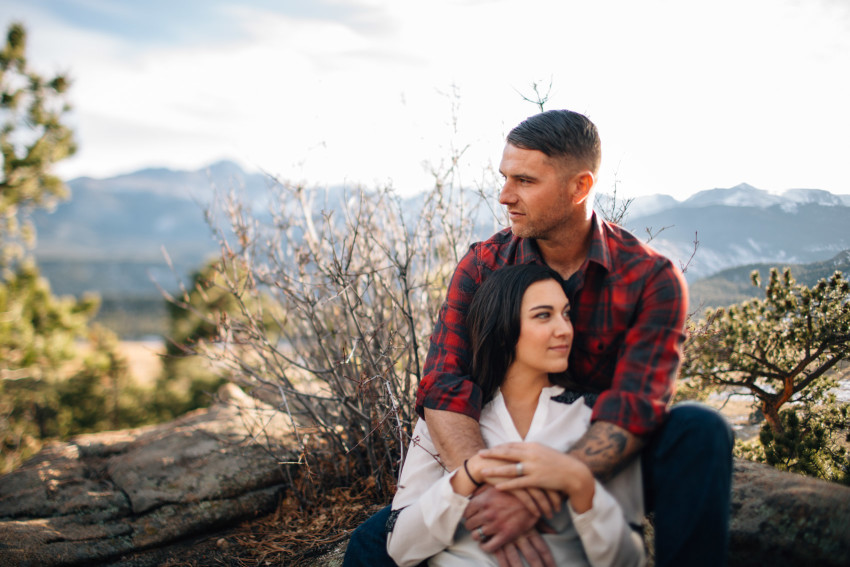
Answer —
144 359
295 534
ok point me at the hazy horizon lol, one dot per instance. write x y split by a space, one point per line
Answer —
687 96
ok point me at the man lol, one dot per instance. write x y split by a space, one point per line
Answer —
628 307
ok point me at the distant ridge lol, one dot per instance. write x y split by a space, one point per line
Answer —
119 225
742 195
744 225
135 215
734 285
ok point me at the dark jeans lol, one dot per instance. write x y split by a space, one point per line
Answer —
687 478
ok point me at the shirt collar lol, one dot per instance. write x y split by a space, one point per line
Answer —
529 251
599 251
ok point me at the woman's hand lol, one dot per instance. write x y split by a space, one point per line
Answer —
539 502
469 476
532 465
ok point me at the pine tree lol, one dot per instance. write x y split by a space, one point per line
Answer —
39 332
780 348
32 139
784 350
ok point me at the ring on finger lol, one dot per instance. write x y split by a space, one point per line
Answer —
480 533
519 471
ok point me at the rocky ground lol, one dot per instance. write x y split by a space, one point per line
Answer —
198 492
209 488
258 542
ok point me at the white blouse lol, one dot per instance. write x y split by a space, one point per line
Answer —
428 522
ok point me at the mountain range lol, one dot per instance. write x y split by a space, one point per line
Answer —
110 236
734 285
743 225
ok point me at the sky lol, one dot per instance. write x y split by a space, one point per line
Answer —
687 95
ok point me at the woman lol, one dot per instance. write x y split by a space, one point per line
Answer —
520 334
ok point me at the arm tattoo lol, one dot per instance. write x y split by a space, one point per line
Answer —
606 449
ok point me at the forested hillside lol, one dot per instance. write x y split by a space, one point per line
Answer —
735 284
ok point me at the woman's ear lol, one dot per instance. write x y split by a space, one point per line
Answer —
583 182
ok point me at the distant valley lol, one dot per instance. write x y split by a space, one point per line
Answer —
110 237
734 285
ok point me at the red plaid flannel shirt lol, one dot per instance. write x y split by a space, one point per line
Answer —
627 304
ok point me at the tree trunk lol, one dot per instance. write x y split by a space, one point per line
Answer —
770 409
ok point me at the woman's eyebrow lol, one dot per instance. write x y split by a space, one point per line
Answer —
549 307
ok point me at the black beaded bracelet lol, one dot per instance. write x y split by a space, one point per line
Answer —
475 482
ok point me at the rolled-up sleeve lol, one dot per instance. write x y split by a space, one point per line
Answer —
649 356
446 384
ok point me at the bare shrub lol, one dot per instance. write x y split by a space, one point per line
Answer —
336 292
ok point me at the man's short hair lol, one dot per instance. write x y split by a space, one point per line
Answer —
560 134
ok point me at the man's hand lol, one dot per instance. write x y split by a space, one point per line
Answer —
507 525
500 515
530 546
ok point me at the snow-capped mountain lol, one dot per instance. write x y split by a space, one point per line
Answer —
743 225
131 218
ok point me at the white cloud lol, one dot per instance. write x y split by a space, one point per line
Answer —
687 96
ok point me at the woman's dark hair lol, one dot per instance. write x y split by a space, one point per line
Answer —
494 319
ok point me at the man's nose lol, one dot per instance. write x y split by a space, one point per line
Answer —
506 195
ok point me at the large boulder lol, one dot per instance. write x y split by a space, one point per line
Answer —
785 520
103 495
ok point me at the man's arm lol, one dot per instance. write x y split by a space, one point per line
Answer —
606 449
456 436
648 353
445 384
643 379
448 400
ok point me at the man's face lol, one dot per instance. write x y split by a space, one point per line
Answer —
536 193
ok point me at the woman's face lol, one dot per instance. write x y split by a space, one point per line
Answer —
546 333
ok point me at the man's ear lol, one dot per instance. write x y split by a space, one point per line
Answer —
583 181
